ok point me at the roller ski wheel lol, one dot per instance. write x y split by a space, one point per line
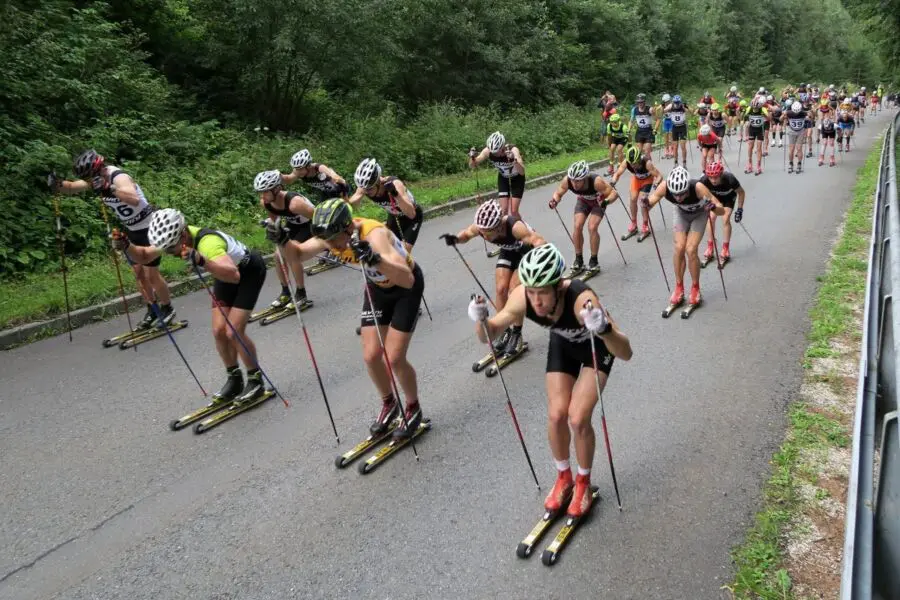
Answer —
694 303
151 334
218 402
643 236
527 545
238 406
588 273
553 551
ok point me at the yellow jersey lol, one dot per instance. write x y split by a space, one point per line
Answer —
365 227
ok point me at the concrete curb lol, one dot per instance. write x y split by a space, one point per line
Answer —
29 332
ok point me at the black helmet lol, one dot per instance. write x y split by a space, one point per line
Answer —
331 218
88 164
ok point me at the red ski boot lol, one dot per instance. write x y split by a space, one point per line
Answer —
582 498
695 295
561 490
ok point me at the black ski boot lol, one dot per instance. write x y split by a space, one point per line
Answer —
390 410
300 300
148 320
232 388
577 267
514 341
593 264
253 390
413 418
500 343
167 313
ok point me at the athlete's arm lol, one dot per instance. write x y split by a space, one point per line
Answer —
620 170
560 191
142 254
527 236
74 187
356 199
616 341
124 189
300 205
329 172
309 248
480 158
403 200
704 194
657 176
512 313
289 178
466 234
220 267
608 191
741 195
657 194
392 263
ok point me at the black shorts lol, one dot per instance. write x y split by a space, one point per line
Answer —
719 131
727 202
140 237
828 134
766 125
732 112
568 357
245 292
405 228
300 232
755 133
617 141
709 146
337 190
514 184
509 259
643 136
679 132
395 306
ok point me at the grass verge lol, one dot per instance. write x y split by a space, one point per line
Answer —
793 549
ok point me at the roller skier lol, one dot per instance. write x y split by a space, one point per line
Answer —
644 175
726 187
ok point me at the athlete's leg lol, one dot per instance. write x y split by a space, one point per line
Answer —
158 284
581 409
396 343
594 233
502 277
559 395
692 243
679 245
143 282
374 358
726 225
578 233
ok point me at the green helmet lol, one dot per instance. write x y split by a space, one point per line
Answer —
331 218
541 267
633 154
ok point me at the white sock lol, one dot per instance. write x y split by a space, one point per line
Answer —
562 465
583 471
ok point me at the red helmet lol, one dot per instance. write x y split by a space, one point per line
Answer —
714 169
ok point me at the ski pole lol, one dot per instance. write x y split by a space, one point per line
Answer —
62 262
627 212
289 275
234 330
612 468
748 233
159 317
115 258
615 239
387 362
563 223
716 248
478 198
402 239
658 255
465 262
509 405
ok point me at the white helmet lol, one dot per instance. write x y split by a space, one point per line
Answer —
495 141
267 180
367 173
734 88
488 215
862 89
761 90
701 105
578 170
796 107
770 97
166 226
677 180
666 98
705 130
301 159
831 86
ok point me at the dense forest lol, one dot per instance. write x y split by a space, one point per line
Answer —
194 97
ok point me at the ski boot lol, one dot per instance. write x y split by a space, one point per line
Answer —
514 342
675 301
561 490
232 388
772 145
577 267
645 232
831 162
582 497
413 418
781 143
300 301
749 168
594 265
759 168
799 167
809 154
167 313
253 390
708 255
725 256
790 168
821 160
500 343
390 410
283 299
148 320
693 302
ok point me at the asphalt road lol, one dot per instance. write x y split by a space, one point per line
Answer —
100 500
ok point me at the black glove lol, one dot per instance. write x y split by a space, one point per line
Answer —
364 253
277 233
100 184
738 215
449 239
191 255
53 183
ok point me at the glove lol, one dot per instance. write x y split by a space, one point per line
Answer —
738 215
191 255
276 232
472 152
595 320
478 309
53 183
553 203
450 239
120 241
100 184
364 253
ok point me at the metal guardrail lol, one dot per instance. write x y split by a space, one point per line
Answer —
871 561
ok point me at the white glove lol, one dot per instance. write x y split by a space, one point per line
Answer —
478 311
595 319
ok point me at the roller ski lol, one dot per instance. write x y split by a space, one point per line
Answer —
301 302
493 253
632 231
157 331
322 265
645 232
593 268
554 508
675 301
222 399
277 306
725 256
145 327
499 346
576 268
254 394
514 348
554 549
380 429
400 438
693 303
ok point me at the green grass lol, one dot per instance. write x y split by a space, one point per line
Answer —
759 560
